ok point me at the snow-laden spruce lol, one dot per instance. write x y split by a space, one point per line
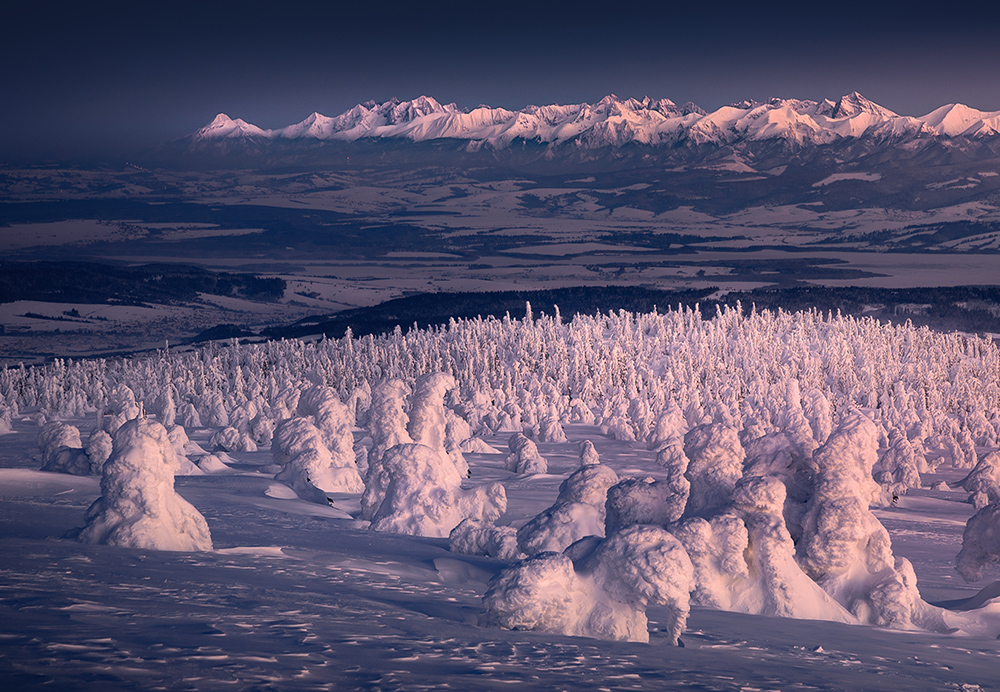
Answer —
524 456
316 449
578 512
423 496
63 452
138 507
980 543
604 594
940 389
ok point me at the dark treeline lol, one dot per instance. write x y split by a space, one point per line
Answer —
92 282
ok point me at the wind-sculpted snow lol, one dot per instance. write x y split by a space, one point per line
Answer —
477 537
62 451
138 507
899 468
984 479
715 465
423 496
429 421
845 548
646 501
605 595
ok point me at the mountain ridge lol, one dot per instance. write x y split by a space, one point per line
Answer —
615 122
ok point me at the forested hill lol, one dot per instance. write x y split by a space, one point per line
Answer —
963 308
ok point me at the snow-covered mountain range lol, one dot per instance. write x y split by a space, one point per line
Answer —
616 122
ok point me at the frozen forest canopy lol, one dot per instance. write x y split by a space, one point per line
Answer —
776 433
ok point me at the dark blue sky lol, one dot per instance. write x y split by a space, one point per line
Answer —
115 76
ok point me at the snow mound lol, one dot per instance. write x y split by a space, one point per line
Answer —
646 501
578 512
985 478
62 451
429 420
715 465
310 467
845 549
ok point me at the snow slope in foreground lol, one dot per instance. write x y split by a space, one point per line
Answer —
300 596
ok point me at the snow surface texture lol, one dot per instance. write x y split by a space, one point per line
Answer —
138 507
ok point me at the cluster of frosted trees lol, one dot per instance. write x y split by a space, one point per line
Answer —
771 428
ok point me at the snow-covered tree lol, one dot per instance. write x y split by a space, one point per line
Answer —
138 507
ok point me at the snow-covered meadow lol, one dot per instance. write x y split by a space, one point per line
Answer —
517 501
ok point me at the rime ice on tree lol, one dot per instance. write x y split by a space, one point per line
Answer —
138 507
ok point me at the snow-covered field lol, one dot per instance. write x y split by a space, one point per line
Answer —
300 594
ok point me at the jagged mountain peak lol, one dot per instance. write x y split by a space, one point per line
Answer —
224 127
853 104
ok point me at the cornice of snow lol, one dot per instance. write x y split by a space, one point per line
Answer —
615 122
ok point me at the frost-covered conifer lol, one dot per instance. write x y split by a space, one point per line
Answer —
62 450
476 537
524 457
845 548
549 428
578 512
428 420
668 428
646 501
588 455
310 467
985 478
715 464
980 543
138 507
899 468
188 416
605 596
716 548
424 497
99 446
